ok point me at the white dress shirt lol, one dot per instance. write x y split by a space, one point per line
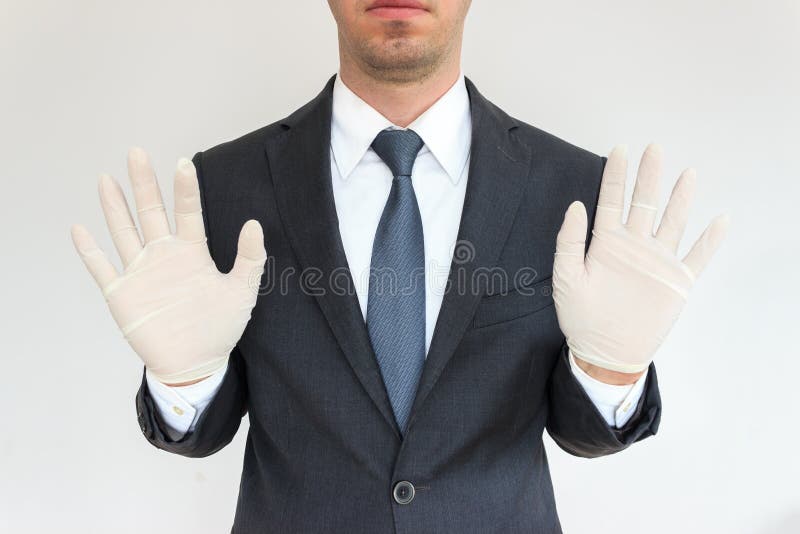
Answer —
361 185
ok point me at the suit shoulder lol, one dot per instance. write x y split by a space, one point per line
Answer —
252 143
544 146
243 147
565 155
569 171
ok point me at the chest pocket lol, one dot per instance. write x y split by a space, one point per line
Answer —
514 303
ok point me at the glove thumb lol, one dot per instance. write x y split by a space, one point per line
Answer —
250 254
571 241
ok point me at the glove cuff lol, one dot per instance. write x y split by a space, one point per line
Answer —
202 371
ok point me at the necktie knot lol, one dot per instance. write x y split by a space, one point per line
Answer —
398 149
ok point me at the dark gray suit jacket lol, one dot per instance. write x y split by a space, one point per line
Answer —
323 450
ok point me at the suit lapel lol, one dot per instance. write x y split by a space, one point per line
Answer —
498 170
299 162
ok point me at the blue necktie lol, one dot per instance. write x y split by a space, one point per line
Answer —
396 301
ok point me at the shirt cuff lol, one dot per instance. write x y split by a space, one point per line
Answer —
616 404
181 406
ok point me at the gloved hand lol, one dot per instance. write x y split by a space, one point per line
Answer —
616 305
178 312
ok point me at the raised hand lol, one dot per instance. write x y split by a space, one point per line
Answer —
176 310
616 304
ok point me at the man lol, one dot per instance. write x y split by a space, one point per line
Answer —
414 332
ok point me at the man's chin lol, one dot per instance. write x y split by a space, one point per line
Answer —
398 58
399 64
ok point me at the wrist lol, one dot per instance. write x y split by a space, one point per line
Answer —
607 376
187 383
191 376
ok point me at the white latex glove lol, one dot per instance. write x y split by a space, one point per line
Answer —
616 305
178 312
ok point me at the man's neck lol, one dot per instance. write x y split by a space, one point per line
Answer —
401 103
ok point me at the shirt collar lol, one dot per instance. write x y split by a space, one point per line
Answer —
445 127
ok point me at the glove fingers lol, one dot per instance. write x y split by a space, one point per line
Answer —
149 205
708 243
611 201
118 218
250 256
673 222
95 259
188 210
644 203
571 240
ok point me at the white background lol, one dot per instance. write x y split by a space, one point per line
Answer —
715 81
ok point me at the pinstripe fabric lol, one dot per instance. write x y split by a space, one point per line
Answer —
396 301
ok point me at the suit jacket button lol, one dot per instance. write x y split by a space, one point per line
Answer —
403 492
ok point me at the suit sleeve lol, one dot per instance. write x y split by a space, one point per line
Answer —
218 423
577 426
215 427
181 406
